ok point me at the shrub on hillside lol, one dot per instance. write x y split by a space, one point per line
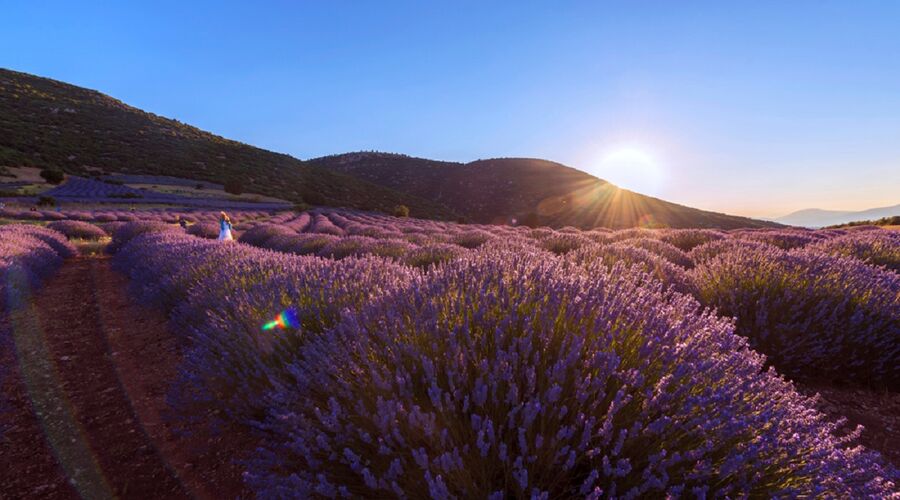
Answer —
46 201
401 211
234 187
52 176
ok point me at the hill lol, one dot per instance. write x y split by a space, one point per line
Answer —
46 123
531 191
814 217
51 124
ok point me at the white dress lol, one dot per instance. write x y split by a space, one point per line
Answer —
225 231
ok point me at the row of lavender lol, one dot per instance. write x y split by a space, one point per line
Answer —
823 304
103 216
28 255
80 189
507 371
819 304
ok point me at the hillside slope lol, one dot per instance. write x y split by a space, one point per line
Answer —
46 123
527 190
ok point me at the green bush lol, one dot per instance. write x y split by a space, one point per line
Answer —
401 211
234 187
46 201
52 176
314 198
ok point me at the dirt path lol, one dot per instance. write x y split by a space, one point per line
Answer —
87 399
877 411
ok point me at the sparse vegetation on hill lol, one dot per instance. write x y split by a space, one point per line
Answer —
54 125
52 176
61 127
525 191
884 221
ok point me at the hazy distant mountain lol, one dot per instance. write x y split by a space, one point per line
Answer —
531 191
815 217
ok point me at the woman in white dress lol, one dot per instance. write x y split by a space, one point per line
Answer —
225 227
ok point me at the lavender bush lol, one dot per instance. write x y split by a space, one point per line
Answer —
665 250
125 233
471 239
814 315
427 256
688 239
707 251
28 256
786 239
208 230
78 230
259 235
53 239
222 294
877 248
655 266
508 376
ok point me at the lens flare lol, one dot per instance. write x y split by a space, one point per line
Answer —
285 319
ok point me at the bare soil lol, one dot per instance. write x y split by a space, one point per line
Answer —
878 411
86 412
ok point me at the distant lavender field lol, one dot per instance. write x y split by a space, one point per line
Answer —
161 180
83 190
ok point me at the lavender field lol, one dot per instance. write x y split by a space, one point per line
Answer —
425 359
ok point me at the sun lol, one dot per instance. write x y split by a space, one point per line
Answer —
631 168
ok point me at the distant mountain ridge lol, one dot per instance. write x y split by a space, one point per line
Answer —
815 217
47 123
524 190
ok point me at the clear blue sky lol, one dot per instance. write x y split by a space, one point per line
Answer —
757 108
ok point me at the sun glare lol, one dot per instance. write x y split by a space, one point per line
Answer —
631 168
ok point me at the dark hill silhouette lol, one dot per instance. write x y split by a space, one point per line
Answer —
47 123
532 191
51 124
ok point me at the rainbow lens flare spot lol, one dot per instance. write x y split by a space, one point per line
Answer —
285 319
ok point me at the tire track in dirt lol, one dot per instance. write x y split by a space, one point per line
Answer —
88 400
